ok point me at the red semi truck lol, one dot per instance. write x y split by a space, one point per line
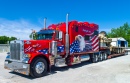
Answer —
62 44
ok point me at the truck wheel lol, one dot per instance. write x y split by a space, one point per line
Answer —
38 68
126 52
101 57
95 58
105 56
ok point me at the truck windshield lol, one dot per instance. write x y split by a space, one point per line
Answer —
45 34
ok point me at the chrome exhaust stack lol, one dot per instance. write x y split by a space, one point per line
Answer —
59 61
45 23
67 37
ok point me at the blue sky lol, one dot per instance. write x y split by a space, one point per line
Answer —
18 17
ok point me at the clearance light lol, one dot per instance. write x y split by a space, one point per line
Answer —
27 55
57 28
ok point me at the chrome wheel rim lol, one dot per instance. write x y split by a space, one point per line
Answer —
39 67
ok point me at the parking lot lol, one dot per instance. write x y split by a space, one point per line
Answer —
115 70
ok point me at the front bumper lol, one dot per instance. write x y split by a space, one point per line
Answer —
16 66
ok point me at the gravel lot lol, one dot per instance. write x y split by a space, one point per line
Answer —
116 70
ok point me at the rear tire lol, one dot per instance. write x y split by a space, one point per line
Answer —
101 57
95 58
126 52
38 67
105 56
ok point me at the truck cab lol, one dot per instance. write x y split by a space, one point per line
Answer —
34 57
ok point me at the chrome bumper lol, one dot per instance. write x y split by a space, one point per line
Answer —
19 67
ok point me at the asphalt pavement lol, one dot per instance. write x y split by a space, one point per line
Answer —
115 70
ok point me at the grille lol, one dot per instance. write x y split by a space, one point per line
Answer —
15 51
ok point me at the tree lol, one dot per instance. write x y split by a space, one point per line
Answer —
33 35
122 31
5 39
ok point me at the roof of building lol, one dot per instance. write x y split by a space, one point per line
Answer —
118 38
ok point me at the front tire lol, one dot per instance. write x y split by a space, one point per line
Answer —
38 67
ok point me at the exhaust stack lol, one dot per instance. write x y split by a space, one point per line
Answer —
67 37
67 17
45 23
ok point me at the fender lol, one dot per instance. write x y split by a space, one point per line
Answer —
34 55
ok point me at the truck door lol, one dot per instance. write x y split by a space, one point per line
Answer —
60 42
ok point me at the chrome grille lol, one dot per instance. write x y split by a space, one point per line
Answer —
15 51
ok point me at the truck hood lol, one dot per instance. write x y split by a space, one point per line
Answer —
36 46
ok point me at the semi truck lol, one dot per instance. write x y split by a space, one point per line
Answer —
62 44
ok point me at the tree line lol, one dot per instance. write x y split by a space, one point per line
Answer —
6 39
122 31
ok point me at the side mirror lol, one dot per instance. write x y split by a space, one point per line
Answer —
60 35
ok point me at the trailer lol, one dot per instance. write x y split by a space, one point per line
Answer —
62 44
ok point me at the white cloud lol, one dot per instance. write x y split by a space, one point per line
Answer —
17 28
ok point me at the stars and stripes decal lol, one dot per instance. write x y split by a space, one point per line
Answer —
60 48
95 43
74 47
91 45
44 51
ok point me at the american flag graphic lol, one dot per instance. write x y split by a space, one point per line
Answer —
60 48
44 51
95 42
74 47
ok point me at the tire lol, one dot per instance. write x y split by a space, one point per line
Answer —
105 56
126 53
101 57
95 58
38 67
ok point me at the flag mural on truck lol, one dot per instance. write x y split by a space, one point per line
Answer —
95 43
80 45
83 37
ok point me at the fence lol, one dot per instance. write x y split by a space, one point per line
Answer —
4 47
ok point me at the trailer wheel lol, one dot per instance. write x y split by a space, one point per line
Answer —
38 68
95 58
105 56
101 57
126 52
